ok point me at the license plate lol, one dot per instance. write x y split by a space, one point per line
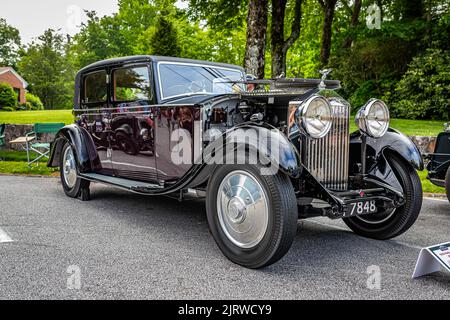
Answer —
361 207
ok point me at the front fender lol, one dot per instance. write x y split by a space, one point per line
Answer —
396 142
271 146
83 145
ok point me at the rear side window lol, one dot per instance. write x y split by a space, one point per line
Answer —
131 84
95 87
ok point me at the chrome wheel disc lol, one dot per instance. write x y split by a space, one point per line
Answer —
69 168
242 206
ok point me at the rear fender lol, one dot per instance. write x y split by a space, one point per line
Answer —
83 145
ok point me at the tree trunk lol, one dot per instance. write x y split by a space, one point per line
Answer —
328 7
254 61
355 20
280 46
278 56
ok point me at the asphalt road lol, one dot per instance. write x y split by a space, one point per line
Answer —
126 246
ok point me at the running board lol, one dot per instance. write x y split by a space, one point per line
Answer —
130 185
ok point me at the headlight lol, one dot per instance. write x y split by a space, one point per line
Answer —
373 119
315 117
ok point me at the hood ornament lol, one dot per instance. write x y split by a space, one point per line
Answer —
324 73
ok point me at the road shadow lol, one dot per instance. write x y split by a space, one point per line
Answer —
322 247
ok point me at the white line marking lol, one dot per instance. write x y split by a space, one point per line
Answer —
4 238
412 246
434 199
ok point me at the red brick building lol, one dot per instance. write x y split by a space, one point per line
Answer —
10 76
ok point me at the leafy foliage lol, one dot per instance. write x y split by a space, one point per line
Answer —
34 102
8 98
424 91
404 62
164 39
219 14
9 44
47 70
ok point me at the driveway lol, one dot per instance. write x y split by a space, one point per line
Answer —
125 246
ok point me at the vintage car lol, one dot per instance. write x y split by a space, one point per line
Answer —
439 165
263 153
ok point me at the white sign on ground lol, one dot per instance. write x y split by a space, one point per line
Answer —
4 238
433 259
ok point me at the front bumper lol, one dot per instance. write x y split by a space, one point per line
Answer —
337 204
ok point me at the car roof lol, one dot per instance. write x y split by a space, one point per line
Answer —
148 58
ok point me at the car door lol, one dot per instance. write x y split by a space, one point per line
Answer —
132 123
95 115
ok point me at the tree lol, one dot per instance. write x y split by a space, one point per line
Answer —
8 98
164 41
47 70
223 38
424 90
328 7
101 38
280 46
9 44
355 12
223 15
254 61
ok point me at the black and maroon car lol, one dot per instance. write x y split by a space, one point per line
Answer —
264 153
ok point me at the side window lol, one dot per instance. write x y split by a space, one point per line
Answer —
132 84
95 87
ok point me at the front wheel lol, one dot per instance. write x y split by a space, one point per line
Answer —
447 183
394 222
73 185
252 217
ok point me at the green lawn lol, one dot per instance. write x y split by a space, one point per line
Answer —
413 127
14 162
21 168
409 127
427 186
14 156
32 117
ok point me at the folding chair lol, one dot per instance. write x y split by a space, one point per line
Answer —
2 135
41 147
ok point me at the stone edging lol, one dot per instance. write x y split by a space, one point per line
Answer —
14 131
425 144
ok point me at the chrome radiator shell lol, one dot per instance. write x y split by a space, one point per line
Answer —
328 158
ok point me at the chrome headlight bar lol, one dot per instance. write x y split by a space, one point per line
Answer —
314 116
373 118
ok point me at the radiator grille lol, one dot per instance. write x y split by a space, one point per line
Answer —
328 158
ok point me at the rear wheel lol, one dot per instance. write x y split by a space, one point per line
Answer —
252 217
447 183
73 185
392 223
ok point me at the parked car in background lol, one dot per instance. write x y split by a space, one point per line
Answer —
264 153
439 165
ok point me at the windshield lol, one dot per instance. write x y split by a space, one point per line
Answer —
184 79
